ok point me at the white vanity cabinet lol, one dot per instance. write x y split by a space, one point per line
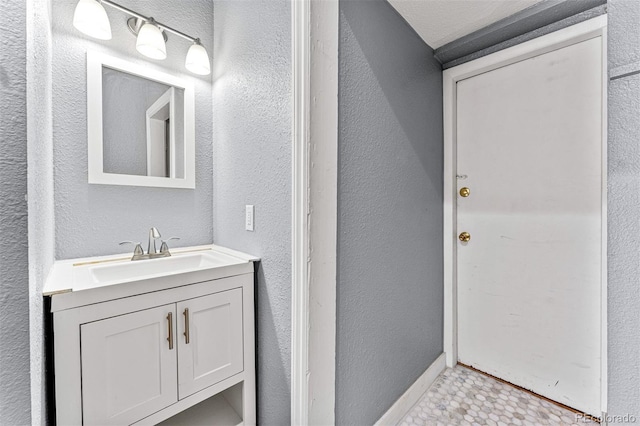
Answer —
210 340
128 368
171 349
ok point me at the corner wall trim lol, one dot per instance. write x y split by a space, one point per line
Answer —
315 37
300 47
401 407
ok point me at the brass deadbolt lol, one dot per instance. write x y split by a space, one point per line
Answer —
464 192
464 237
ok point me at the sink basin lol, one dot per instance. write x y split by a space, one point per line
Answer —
143 269
84 281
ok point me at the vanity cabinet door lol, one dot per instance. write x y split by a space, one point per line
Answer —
210 340
129 369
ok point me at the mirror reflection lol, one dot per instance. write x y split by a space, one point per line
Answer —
143 126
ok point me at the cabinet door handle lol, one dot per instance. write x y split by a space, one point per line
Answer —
170 338
186 325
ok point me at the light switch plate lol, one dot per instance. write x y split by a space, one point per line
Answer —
248 218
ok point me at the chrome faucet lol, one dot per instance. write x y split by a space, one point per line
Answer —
152 253
154 234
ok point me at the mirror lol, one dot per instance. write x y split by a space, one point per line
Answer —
152 141
140 125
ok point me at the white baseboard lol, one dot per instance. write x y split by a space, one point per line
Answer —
402 406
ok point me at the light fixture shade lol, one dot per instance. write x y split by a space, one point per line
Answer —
151 42
91 19
198 60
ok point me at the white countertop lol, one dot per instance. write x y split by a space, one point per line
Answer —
76 278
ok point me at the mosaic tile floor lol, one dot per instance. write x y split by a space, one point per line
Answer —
461 396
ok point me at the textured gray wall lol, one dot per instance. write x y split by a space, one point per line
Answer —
623 32
92 219
624 210
40 185
252 118
14 273
390 273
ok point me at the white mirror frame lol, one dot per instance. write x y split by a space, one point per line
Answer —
95 63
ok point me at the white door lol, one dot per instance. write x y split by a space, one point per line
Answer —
529 149
210 342
129 367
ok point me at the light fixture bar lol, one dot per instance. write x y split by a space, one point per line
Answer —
148 19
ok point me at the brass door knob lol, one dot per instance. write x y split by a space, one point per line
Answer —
464 237
464 192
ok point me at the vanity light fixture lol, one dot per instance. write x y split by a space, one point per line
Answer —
198 59
91 18
150 41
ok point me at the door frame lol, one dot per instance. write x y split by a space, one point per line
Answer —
593 28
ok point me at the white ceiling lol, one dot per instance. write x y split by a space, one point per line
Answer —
439 22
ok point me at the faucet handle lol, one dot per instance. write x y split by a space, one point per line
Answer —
137 251
164 248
